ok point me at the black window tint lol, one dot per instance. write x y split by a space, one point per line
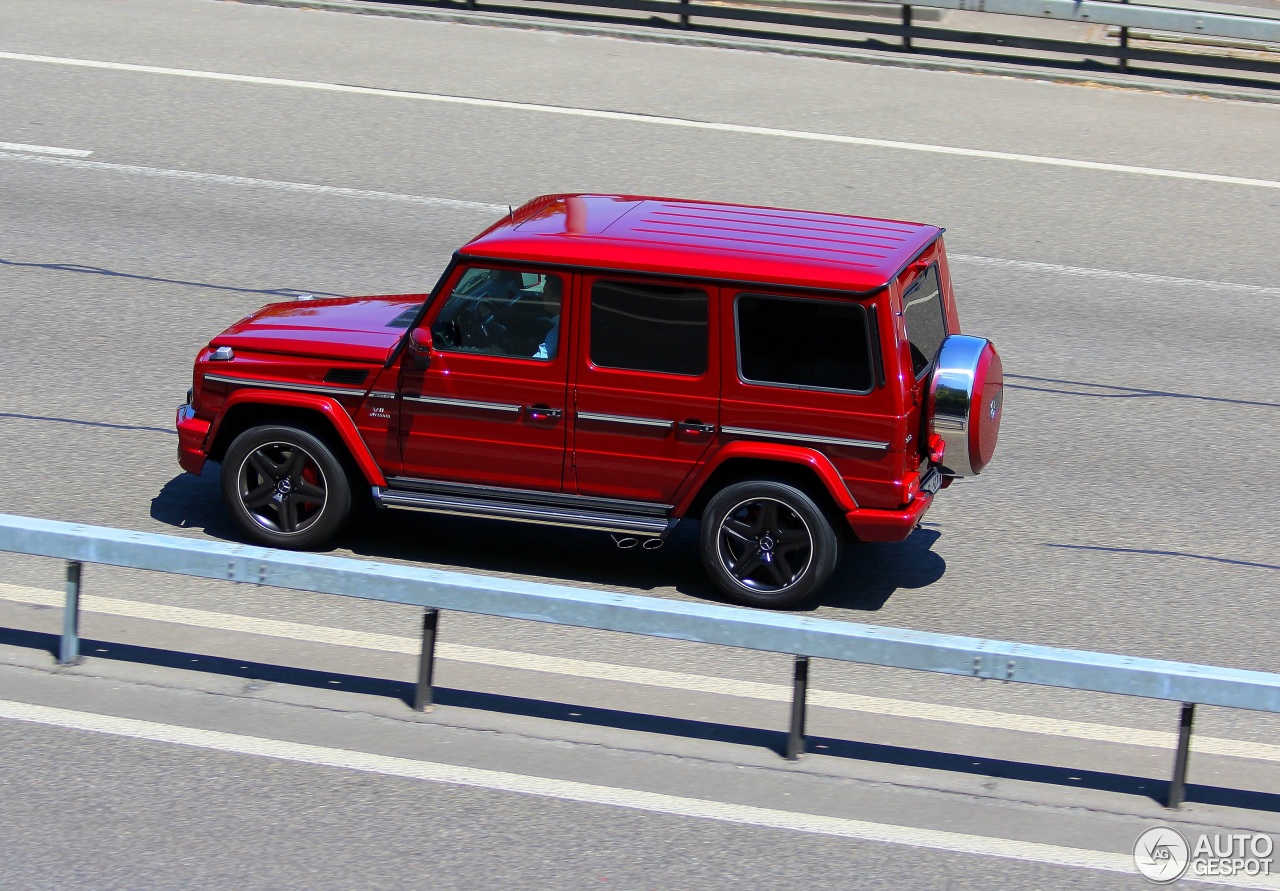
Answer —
926 324
803 343
643 327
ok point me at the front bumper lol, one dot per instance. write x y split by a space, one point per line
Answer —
191 436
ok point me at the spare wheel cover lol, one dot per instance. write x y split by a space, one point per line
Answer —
966 399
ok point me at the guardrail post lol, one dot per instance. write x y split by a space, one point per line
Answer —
1178 788
906 24
69 647
426 660
684 13
799 694
1124 45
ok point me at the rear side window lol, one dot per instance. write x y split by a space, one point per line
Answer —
803 343
649 327
926 323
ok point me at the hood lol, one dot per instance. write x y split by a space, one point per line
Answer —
358 329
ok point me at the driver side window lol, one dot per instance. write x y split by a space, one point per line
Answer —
513 313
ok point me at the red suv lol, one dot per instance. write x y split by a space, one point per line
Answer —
620 363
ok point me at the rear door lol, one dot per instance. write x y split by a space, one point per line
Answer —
646 382
807 373
925 326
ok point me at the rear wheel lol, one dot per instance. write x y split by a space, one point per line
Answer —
285 487
767 544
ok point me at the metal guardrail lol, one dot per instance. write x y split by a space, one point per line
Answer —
802 637
1225 22
1240 25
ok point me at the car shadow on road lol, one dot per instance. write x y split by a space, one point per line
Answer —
866 578
257 674
194 502
870 573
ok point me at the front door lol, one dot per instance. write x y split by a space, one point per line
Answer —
646 384
490 407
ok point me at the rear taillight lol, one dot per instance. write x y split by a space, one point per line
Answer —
937 449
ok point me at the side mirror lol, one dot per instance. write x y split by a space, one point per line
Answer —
419 347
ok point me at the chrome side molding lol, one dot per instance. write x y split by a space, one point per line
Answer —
283 385
806 437
624 419
504 407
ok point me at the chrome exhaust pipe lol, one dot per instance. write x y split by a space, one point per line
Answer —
624 541
652 544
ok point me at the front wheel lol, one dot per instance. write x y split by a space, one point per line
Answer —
285 487
767 544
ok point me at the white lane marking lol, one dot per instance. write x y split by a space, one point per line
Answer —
650 677
224 180
44 150
657 120
1086 272
284 186
568 790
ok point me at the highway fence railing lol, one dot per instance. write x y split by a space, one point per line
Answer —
801 637
1189 34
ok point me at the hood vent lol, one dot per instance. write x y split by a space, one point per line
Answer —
352 376
405 319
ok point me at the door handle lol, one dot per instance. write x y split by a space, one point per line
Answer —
543 412
695 426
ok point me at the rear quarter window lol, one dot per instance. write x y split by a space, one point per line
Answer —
797 342
926 321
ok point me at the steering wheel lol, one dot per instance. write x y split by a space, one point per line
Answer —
491 329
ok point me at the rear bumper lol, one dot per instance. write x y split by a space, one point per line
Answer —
888 525
191 435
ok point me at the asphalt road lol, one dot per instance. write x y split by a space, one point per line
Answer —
1126 509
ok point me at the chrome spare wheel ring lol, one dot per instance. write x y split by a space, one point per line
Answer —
282 487
764 545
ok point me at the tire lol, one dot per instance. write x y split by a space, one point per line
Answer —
285 487
767 544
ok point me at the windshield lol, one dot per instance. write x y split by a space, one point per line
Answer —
926 322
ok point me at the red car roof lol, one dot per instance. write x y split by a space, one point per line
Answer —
701 239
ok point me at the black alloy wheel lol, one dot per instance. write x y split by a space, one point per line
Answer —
284 487
767 544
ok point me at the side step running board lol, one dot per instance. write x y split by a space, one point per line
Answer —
522 512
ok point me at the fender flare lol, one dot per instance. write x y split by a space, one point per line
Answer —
819 463
326 406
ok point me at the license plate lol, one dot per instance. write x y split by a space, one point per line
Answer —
932 481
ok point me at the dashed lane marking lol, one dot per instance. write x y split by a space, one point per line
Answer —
44 150
225 180
488 208
1140 277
